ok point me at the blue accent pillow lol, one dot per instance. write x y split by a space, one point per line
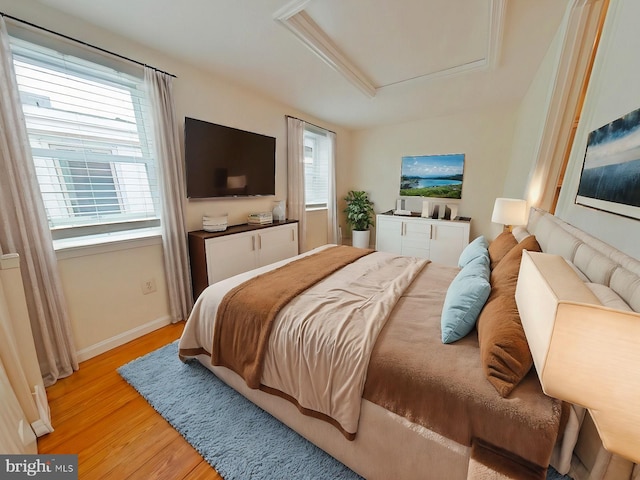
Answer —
479 246
465 298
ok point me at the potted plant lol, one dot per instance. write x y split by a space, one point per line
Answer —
359 213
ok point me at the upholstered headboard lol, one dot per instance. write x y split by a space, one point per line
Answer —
598 261
602 266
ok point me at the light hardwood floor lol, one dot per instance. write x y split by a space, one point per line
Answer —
115 432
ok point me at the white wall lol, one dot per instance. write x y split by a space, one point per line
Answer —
317 230
485 137
614 90
102 287
104 296
530 122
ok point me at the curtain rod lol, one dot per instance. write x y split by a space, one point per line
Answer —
313 124
84 43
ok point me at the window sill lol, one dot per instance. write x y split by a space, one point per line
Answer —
316 209
107 242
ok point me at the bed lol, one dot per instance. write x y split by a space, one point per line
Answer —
401 403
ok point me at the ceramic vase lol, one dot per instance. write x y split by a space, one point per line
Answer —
278 212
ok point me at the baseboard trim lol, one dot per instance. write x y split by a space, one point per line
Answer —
42 426
121 339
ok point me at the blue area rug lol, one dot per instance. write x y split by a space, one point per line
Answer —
235 437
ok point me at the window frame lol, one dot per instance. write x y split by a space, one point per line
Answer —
107 73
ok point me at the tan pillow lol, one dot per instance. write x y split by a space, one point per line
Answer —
504 350
500 247
507 270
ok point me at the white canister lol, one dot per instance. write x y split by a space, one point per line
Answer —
426 209
279 212
454 210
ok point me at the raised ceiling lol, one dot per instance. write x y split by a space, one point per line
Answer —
384 49
354 63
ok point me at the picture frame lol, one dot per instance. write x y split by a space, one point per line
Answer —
432 176
610 176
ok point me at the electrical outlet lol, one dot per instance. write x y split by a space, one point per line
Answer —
148 286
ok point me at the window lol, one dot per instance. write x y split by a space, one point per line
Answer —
89 133
316 167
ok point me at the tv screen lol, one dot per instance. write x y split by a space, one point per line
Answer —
225 162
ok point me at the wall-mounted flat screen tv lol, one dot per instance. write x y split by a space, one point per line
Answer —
222 161
438 176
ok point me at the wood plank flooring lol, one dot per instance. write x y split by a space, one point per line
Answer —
114 431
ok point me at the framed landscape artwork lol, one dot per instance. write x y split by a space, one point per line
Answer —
610 178
437 176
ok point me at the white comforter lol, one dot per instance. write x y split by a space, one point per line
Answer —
321 341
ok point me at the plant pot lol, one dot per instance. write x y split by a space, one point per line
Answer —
360 238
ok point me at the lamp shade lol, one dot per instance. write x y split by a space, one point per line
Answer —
509 211
584 353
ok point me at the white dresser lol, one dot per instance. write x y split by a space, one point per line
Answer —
215 256
440 241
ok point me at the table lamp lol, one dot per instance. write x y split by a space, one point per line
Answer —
509 212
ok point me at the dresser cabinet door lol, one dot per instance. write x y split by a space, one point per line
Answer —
277 243
389 234
447 242
230 255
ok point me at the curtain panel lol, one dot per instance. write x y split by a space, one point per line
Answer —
24 230
173 194
296 205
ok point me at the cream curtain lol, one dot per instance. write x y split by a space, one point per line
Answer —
296 206
172 184
581 31
24 230
332 207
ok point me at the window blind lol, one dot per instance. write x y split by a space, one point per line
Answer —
91 138
316 168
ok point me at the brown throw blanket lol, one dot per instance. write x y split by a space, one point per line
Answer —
246 314
444 388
